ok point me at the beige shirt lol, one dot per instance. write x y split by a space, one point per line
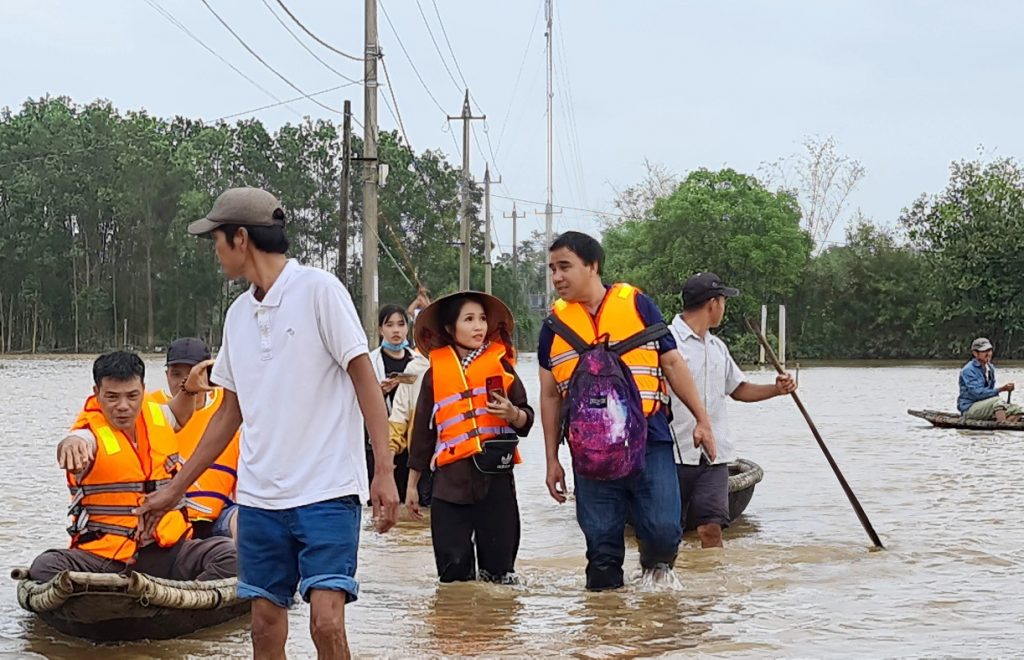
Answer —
717 376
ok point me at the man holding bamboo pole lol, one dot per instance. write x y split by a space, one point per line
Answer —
703 480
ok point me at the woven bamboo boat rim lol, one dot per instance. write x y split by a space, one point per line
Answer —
147 590
749 476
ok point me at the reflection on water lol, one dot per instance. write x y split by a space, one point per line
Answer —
796 576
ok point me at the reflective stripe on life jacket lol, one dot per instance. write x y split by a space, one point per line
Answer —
617 320
215 488
103 499
460 408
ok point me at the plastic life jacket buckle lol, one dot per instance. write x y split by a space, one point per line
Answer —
76 503
148 486
79 523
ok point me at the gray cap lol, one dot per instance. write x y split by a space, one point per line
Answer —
981 344
249 207
187 350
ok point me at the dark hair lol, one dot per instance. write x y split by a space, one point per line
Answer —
583 246
387 311
266 239
698 305
450 309
118 365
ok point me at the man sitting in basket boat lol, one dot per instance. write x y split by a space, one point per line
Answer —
979 396
121 447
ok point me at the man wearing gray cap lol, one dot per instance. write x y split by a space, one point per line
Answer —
979 396
296 375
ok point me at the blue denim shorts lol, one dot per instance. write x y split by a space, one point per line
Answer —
308 547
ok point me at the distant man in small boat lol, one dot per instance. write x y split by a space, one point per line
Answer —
704 480
122 446
979 396
210 500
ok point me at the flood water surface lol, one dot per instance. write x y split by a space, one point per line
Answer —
796 576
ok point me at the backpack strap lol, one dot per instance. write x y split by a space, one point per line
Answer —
571 337
656 331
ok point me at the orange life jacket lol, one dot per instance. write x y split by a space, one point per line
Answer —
215 489
102 500
617 319
460 403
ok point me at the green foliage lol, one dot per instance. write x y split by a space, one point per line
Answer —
94 205
862 300
725 222
972 237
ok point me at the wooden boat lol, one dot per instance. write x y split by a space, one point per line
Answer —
743 476
948 420
106 607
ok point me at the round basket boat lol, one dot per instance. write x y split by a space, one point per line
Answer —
106 607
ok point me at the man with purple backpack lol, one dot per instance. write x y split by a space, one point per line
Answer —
607 359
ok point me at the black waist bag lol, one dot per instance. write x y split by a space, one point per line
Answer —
498 456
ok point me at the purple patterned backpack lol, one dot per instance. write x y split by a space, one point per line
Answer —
602 413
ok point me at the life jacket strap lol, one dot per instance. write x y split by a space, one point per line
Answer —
476 412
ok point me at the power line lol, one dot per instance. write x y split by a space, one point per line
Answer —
438 48
522 65
305 47
570 208
178 24
316 38
448 41
411 63
297 98
391 91
53 155
264 62
490 148
569 108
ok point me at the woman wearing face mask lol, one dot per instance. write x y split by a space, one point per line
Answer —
471 411
390 361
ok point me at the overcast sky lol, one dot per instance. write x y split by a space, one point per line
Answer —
904 87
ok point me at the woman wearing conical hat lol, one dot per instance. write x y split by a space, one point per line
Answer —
471 412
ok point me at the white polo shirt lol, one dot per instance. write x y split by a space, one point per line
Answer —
286 357
717 376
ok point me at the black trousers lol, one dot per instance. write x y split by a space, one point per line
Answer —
485 533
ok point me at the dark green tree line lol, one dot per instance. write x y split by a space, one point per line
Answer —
94 205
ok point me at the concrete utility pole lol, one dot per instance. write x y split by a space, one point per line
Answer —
782 335
515 240
466 229
548 220
488 248
370 173
764 328
346 178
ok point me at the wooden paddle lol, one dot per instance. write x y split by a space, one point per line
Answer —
821 443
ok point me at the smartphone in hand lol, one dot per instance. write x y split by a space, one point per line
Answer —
495 385
402 377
